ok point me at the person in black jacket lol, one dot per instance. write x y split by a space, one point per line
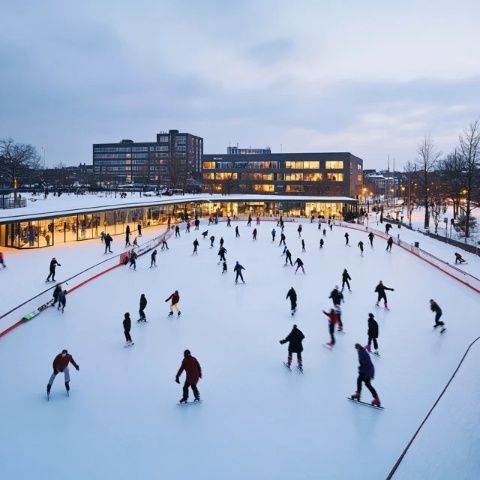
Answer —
62 300
292 295
299 263
221 253
366 373
153 259
127 326
345 280
238 272
141 311
53 266
380 290
288 256
127 236
108 241
294 339
372 333
195 247
371 236
434 307
56 293
347 236
237 232
175 305
336 295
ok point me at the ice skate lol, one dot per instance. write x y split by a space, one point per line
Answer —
376 402
355 396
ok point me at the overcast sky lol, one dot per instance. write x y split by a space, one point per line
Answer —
369 77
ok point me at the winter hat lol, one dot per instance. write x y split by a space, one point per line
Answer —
186 352
370 315
64 351
358 346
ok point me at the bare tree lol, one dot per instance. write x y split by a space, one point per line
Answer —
469 142
427 159
17 160
452 169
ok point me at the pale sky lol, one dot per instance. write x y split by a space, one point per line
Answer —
369 77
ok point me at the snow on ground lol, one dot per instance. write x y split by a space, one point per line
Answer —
257 420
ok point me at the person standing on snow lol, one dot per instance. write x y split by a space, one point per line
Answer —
193 372
127 326
347 237
238 271
332 320
434 307
345 280
288 257
294 340
292 295
141 311
153 259
53 266
237 233
195 247
175 298
108 242
366 373
299 263
372 333
60 364
380 289
274 232
336 295
371 236
254 234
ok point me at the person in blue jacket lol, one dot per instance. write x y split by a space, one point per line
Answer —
366 373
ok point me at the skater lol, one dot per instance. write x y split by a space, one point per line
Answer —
299 230
62 300
347 237
175 305
388 227
254 234
229 222
221 242
164 244
177 231
127 236
205 233
238 271
338 312
322 243
292 295
60 364
371 236
195 247
135 242
108 241
336 295
127 326
380 289
53 266
139 228
2 260
366 373
274 232
224 267
298 262
360 246
56 293
212 240
153 259
459 258
434 307
249 222
389 244
141 311
133 260
345 280
372 333
288 257
282 239
294 339
237 233
258 220
303 245
197 224
193 372
221 253
324 232
188 226
332 320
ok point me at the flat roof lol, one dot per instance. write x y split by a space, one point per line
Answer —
70 204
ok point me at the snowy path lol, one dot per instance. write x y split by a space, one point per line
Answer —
258 420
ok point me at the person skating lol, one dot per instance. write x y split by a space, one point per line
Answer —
254 234
62 300
288 257
345 280
299 230
238 272
229 222
212 240
282 239
188 226
108 242
221 253
205 233
153 259
133 259
56 293
175 304
360 246
324 232
292 295
338 312
127 236
221 242
372 333
141 310
322 243
237 232
366 373
258 220
389 244
127 326
380 289
249 222
294 340
197 224
459 258
53 266
434 307
299 263
177 231
164 244
303 245
139 228
347 238
195 247
371 236
60 364
2 260
224 267
332 321
193 371
274 232
336 295
135 242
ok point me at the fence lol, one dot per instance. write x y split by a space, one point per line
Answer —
6 202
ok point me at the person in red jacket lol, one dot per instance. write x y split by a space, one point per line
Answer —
332 320
193 371
175 298
60 364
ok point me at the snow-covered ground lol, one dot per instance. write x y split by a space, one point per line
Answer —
257 419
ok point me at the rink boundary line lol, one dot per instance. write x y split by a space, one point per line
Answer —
154 244
405 450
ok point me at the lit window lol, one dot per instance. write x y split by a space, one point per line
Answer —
312 177
338 165
297 165
208 165
335 177
311 165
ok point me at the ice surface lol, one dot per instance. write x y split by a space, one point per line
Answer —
257 420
